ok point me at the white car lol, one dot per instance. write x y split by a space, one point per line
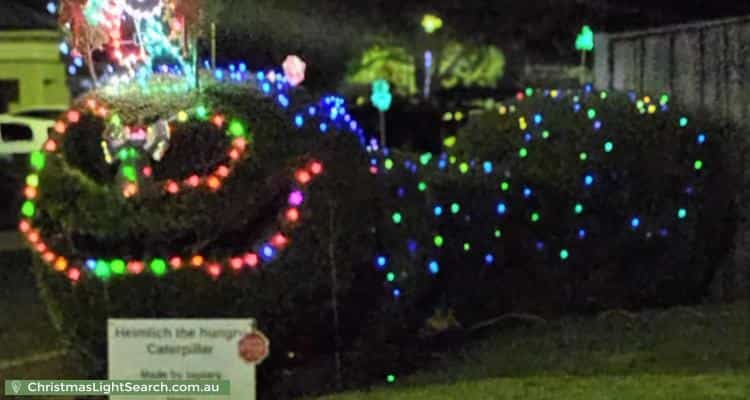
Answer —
26 130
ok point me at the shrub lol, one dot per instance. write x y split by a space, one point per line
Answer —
652 228
82 214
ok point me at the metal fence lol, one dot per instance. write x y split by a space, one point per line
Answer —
702 65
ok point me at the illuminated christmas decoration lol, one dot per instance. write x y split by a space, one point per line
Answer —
431 23
294 70
72 264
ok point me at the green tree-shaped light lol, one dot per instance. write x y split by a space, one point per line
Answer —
585 39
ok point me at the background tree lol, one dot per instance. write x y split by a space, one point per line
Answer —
83 37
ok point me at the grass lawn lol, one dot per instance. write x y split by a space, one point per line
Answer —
698 353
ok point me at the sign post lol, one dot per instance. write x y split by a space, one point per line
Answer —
187 349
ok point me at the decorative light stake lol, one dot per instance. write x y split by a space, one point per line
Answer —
381 98
584 44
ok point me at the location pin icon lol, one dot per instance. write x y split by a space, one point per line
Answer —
16 386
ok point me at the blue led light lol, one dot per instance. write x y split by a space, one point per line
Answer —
489 259
91 264
582 234
401 192
442 164
219 74
576 107
540 246
311 110
527 137
588 180
663 232
412 245
396 293
299 121
265 87
438 211
64 48
433 267
502 208
51 7
527 192
323 127
260 76
538 119
381 262
487 166
267 252
701 138
283 100
72 69
597 125
243 67
635 222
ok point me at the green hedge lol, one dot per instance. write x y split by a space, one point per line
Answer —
81 211
647 175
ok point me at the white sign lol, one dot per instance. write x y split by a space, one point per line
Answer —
181 349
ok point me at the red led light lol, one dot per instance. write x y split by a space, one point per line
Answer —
59 127
236 263
214 270
280 241
172 187
50 145
135 267
148 171
24 226
74 274
175 262
194 181
218 120
316 167
292 215
302 176
251 259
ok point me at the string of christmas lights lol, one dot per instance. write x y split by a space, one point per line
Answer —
429 166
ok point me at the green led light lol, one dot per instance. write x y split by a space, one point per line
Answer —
545 134
115 120
422 186
535 217
664 99
37 160
236 128
683 122
388 164
681 213
467 246
122 154
438 241
529 92
523 153
425 158
102 269
201 112
449 142
390 378
28 209
505 186
129 173
32 180
464 168
608 147
578 208
158 266
583 156
698 165
397 218
498 233
455 208
603 95
564 254
591 113
390 277
452 159
117 266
